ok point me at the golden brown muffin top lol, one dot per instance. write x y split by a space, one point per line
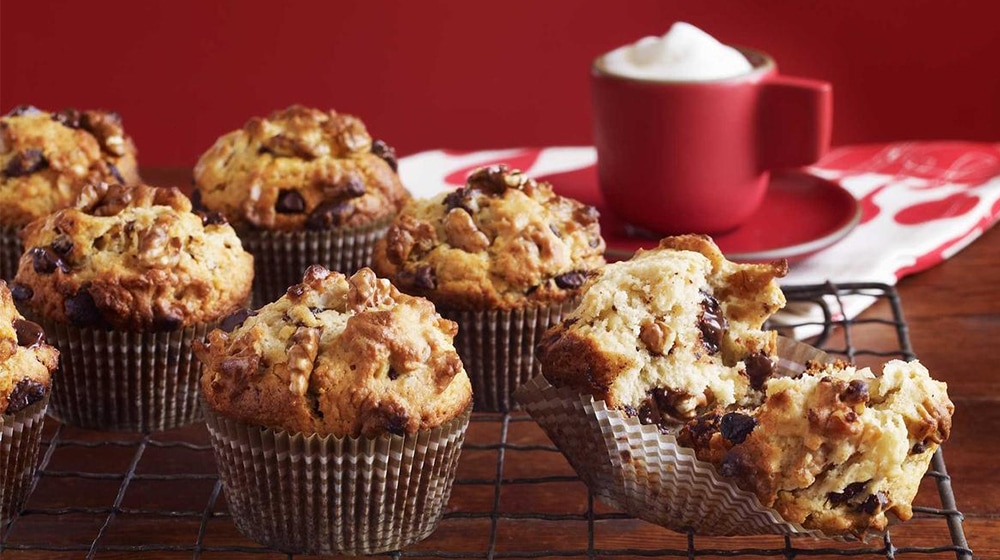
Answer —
26 361
46 158
503 241
300 169
132 258
347 356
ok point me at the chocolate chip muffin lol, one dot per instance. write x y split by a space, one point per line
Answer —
130 263
669 333
26 365
342 379
46 158
834 449
505 257
301 187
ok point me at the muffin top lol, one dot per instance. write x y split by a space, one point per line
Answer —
670 332
132 258
503 241
836 448
26 361
299 169
46 158
347 356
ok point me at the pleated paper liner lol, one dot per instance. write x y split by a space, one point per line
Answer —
639 470
125 381
498 349
281 258
10 252
316 494
22 435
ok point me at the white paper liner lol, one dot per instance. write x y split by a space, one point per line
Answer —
10 251
19 442
498 349
639 470
125 381
317 494
281 258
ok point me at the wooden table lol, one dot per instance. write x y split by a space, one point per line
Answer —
953 314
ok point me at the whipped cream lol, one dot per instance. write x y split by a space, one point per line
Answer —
684 53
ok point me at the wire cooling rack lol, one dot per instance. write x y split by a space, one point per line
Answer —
100 495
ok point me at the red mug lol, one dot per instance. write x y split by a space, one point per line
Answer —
680 156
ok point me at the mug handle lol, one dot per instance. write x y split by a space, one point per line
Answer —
796 119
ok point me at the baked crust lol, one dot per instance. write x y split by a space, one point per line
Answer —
26 360
348 356
299 169
503 241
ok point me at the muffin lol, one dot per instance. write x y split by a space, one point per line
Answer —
337 414
301 187
46 158
26 365
673 404
123 282
505 257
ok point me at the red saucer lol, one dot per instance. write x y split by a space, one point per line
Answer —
801 215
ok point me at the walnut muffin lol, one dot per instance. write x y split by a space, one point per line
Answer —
835 449
503 241
46 158
27 362
300 169
670 332
348 356
132 258
124 282
342 379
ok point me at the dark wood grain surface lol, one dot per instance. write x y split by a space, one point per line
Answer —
953 314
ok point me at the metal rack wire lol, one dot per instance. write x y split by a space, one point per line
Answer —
168 480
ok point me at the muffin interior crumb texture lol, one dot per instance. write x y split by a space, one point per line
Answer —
348 356
132 258
26 360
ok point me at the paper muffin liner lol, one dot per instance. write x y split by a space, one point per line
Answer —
125 381
19 442
498 349
10 251
639 470
281 258
308 493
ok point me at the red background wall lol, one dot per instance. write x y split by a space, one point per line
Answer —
468 74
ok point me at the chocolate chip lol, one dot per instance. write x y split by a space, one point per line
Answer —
23 110
353 188
82 311
396 424
731 465
875 503
712 323
29 334
701 429
25 393
759 370
290 202
328 215
20 292
648 413
735 427
630 410
26 163
918 448
425 278
393 374
856 392
571 280
166 323
68 117
849 491
386 152
115 173
45 260
62 245
236 318
211 218
196 203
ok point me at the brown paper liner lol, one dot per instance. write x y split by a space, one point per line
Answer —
125 381
639 470
316 494
10 251
281 258
498 349
19 442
